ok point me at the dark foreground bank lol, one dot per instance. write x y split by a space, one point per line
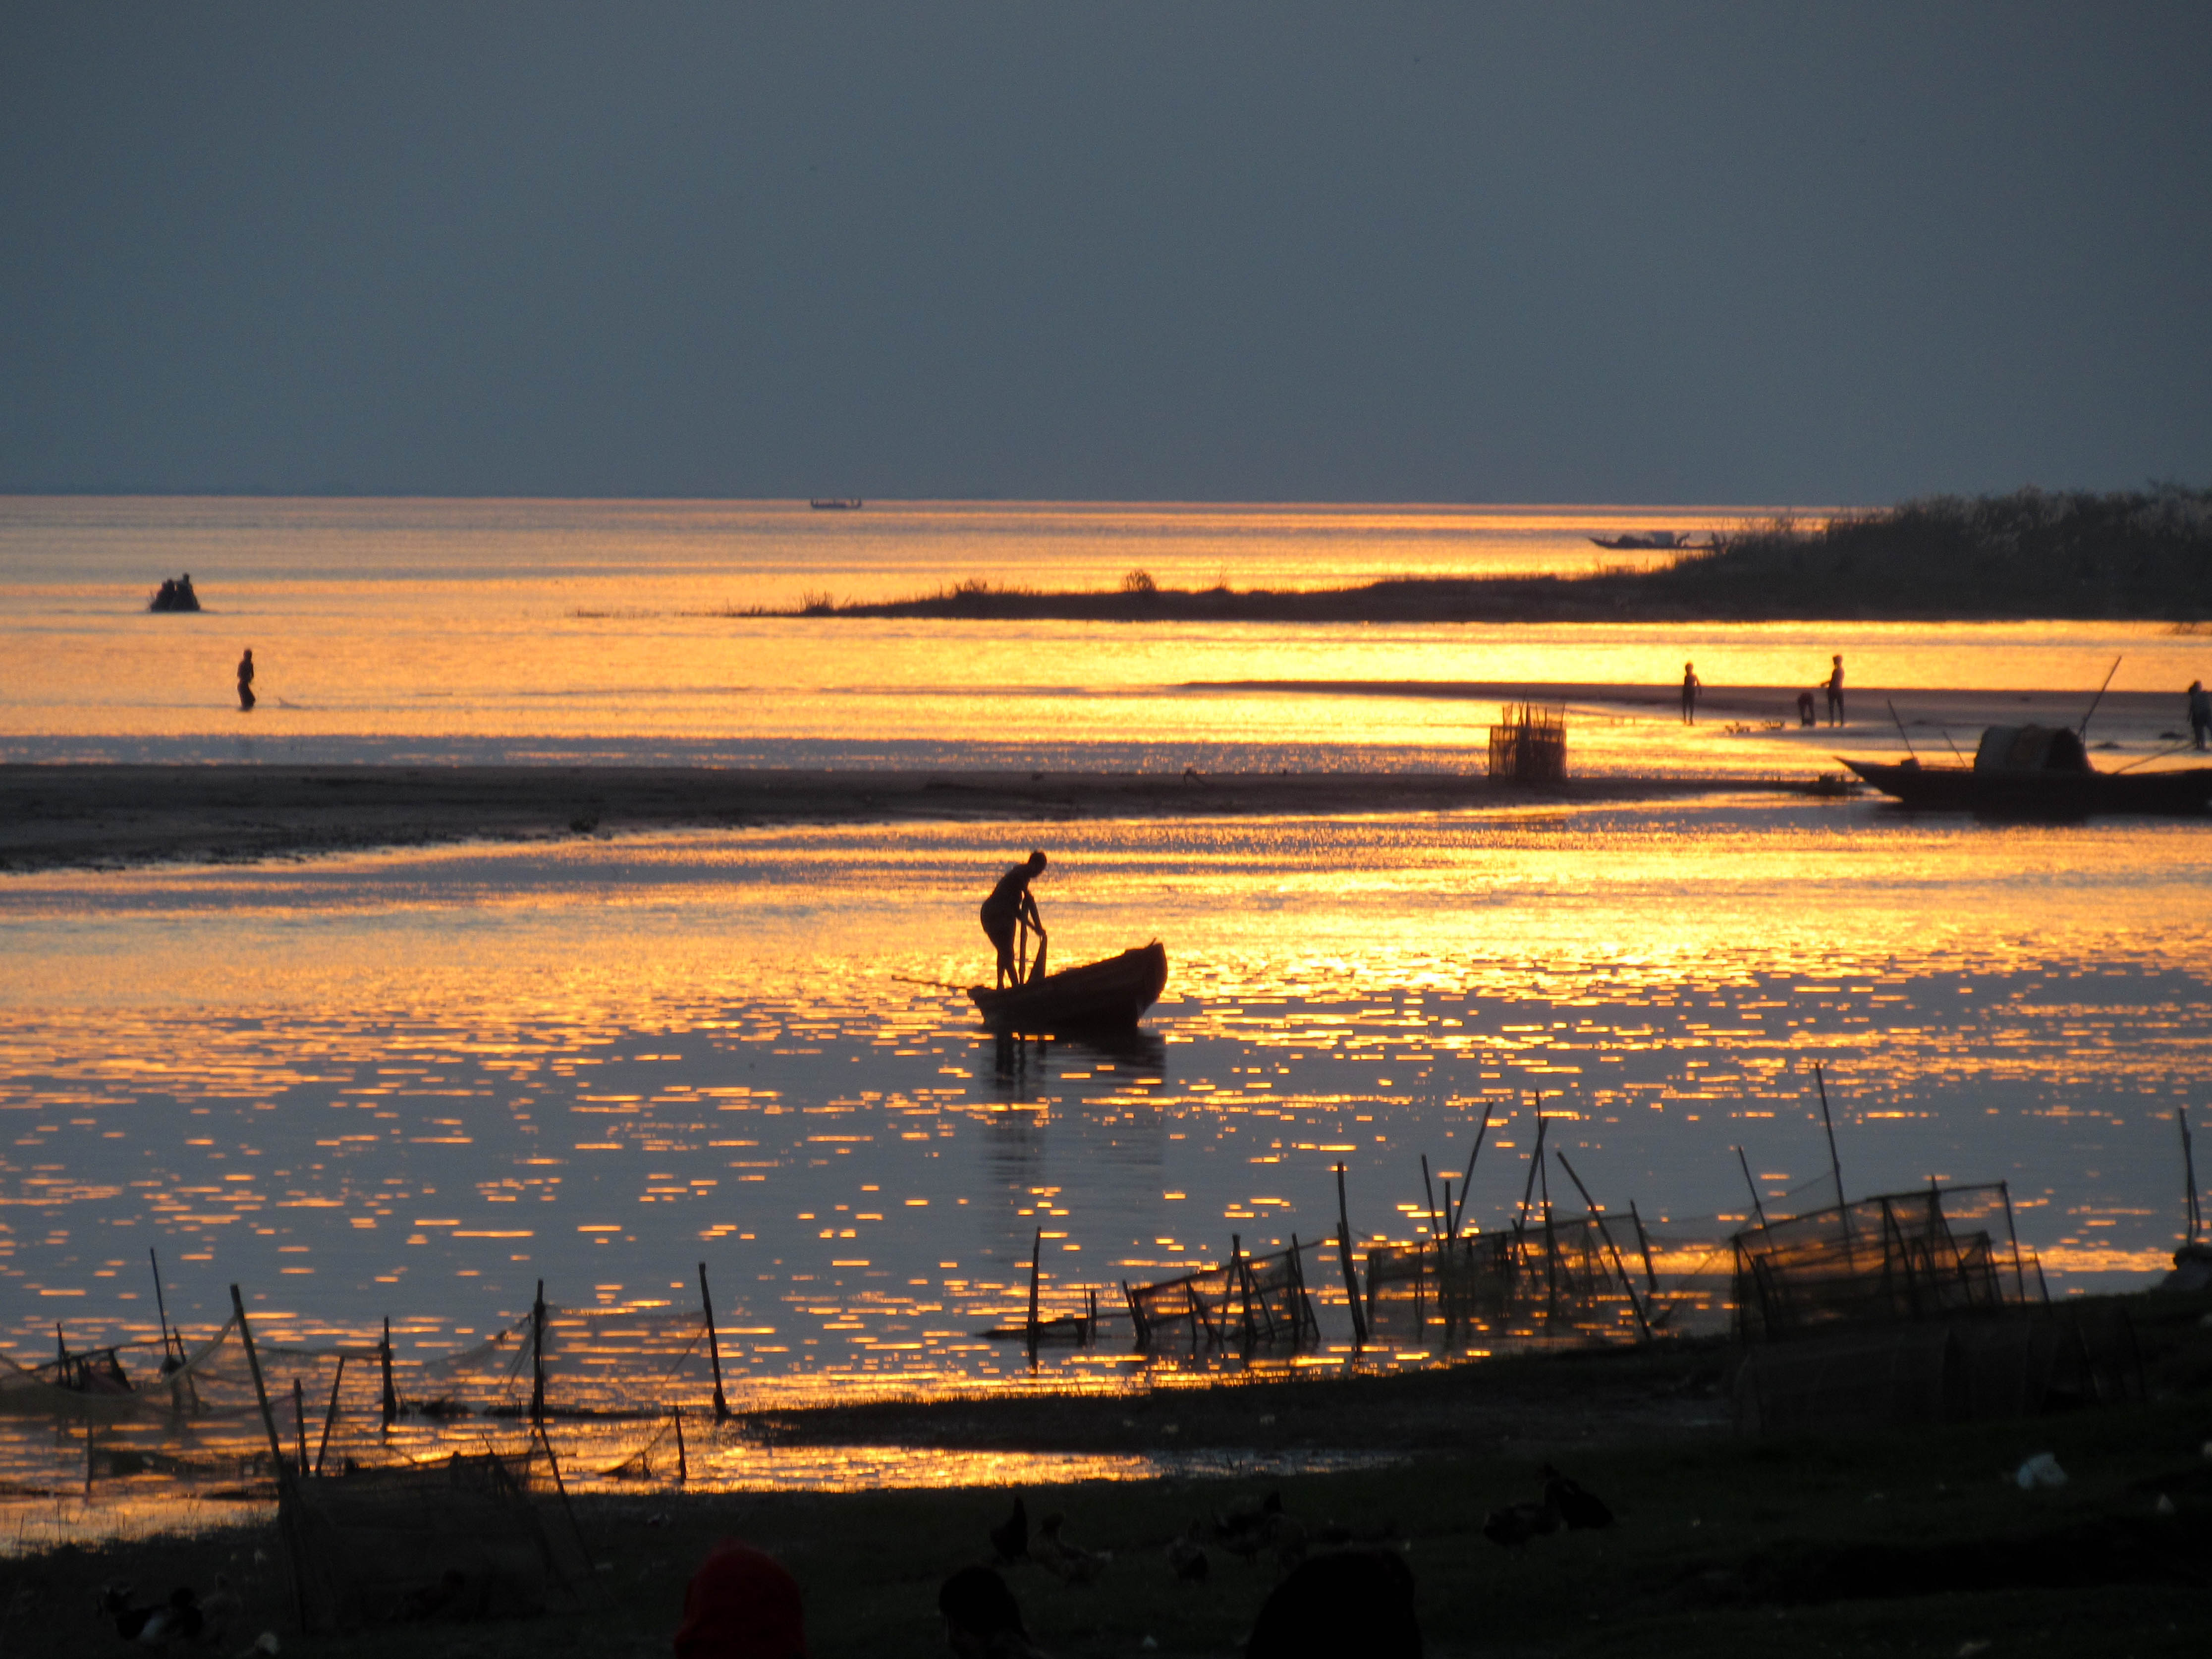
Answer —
1918 1542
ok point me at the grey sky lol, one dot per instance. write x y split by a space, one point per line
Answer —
1626 251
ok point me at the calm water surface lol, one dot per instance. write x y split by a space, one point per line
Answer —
414 1084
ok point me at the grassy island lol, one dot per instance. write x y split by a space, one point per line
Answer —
2137 555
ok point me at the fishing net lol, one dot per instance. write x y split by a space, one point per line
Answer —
1553 1279
458 1539
1900 1257
1247 1300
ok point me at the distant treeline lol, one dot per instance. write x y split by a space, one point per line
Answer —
2142 555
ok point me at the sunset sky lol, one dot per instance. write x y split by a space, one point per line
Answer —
1605 252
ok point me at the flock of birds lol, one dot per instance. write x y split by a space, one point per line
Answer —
185 1616
1265 1530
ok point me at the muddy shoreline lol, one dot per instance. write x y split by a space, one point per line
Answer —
115 816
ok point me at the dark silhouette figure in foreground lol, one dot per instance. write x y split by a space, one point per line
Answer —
1835 688
1330 1607
246 680
982 1621
1012 906
1691 686
2200 713
741 1604
1805 716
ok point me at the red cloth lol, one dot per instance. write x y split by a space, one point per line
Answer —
742 1604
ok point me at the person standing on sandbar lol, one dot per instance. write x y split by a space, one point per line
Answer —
246 680
1009 906
1836 691
1691 684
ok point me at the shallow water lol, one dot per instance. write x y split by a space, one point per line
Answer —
416 1083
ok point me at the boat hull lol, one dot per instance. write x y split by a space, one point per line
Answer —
2038 795
1099 996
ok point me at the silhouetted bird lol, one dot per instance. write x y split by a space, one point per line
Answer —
1351 1602
178 1619
1187 1556
1578 1509
1512 1527
1011 1538
1063 1560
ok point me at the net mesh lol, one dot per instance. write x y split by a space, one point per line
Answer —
1246 1300
1553 1280
1898 1256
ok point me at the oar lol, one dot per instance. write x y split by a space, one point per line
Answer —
2147 759
938 984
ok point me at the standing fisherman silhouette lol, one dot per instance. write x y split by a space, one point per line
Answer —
246 680
1836 691
1012 906
2200 713
1690 684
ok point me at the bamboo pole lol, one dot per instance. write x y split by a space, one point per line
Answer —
1467 1181
1836 1166
2018 1279
287 1496
1606 1233
1436 1226
1757 1208
715 1347
1351 1267
383 1354
1037 1254
1642 1244
682 1463
161 1308
299 1421
330 1416
537 1356
2196 1215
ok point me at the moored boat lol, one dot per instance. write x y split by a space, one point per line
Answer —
836 503
2035 771
1099 996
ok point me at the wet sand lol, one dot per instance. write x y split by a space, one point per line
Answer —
115 816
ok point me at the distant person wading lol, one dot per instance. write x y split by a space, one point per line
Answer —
245 680
1012 907
1691 685
2200 713
1835 689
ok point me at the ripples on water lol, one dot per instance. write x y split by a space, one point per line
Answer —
415 1084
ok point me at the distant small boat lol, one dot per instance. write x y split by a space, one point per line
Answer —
174 595
836 503
1099 996
1649 541
2036 771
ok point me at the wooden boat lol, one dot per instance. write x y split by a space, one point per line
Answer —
835 503
1649 541
1097 996
2034 771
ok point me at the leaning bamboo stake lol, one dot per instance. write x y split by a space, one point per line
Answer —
1606 1233
384 1353
1037 1253
1351 1268
713 1347
330 1416
1467 1181
287 1496
682 1463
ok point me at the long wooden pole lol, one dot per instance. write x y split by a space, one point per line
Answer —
1606 1233
1644 1244
161 1308
1757 1208
1835 1163
383 1354
713 1347
288 1498
537 1356
2196 1215
1436 1226
1467 1181
1351 1270
1037 1253
330 1416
